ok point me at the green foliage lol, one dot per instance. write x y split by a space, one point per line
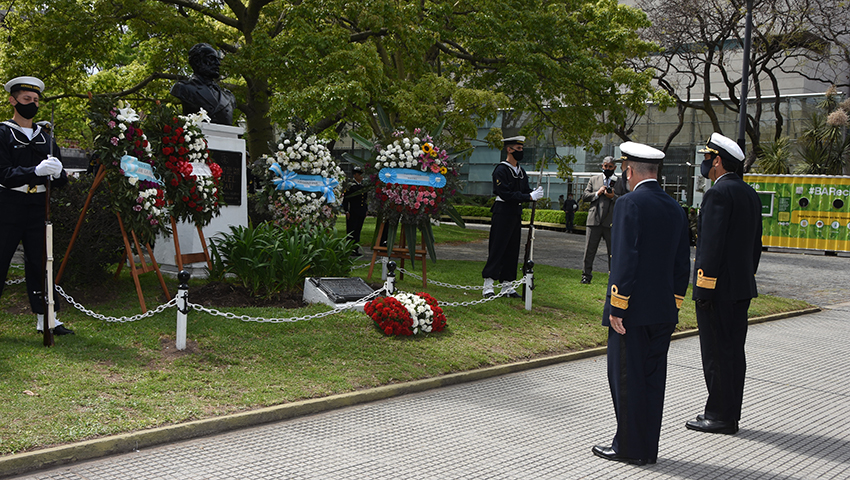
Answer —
267 259
331 62
824 146
99 244
544 216
774 157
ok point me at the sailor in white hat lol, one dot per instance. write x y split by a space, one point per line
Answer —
717 150
727 257
26 163
650 266
510 185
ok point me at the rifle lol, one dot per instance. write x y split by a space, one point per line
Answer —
49 314
528 262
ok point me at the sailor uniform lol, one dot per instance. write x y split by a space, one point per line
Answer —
22 198
727 257
510 185
650 267
355 203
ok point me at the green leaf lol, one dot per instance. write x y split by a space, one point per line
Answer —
439 130
362 141
392 229
450 210
428 237
410 231
383 119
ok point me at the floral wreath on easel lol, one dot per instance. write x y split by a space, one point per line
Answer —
135 191
192 179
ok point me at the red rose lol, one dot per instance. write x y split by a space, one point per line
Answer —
174 182
185 198
167 150
192 204
166 129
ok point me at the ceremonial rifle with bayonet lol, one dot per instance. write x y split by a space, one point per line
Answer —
47 261
528 260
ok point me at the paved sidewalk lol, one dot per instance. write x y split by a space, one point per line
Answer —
541 424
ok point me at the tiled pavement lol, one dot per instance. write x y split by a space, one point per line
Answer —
541 423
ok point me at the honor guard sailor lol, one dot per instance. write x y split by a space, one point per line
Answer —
726 260
650 266
355 204
25 166
510 185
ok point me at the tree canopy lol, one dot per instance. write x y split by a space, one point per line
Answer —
329 62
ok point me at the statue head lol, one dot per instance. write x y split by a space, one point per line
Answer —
205 61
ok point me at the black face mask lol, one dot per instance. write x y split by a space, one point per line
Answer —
705 168
607 173
517 154
27 110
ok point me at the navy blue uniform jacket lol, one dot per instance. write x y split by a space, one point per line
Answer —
728 241
650 258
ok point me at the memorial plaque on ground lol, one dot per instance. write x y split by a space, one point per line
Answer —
231 176
341 290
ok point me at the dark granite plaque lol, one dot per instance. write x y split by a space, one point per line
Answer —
341 290
231 176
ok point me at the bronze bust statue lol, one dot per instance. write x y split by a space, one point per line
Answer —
201 90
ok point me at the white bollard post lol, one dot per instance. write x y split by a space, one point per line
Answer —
182 308
529 280
389 285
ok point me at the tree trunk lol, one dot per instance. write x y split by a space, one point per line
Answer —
259 132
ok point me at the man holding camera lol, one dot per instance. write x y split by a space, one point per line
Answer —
601 192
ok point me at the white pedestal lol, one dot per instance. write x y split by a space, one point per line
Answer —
222 140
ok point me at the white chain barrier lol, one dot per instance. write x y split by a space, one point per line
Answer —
388 288
80 307
16 281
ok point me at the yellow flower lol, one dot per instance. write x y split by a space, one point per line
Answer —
428 149
443 170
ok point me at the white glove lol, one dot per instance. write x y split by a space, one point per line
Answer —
537 194
49 166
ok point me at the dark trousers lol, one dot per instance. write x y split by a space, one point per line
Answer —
591 244
569 218
353 226
637 374
722 335
24 224
503 247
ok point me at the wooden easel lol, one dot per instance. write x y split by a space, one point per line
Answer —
135 268
186 258
400 251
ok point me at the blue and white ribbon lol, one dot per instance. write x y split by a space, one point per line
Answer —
287 180
408 176
134 168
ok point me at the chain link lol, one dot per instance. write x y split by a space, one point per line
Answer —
248 318
16 281
150 313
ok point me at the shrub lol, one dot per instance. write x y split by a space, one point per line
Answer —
267 259
99 243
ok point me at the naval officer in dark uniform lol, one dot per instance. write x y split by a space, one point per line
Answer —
650 266
25 165
727 257
355 204
510 185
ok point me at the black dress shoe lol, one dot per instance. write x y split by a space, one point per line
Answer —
608 453
59 330
712 426
489 294
512 295
585 280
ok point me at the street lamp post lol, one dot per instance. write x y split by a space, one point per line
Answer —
745 77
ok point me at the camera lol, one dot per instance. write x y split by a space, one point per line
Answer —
608 190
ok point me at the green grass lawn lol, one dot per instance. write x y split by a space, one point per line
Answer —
117 377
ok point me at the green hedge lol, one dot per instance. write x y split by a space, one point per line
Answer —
544 216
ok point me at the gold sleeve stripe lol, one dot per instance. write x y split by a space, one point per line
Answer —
679 300
705 282
617 300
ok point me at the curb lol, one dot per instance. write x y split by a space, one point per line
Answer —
125 443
